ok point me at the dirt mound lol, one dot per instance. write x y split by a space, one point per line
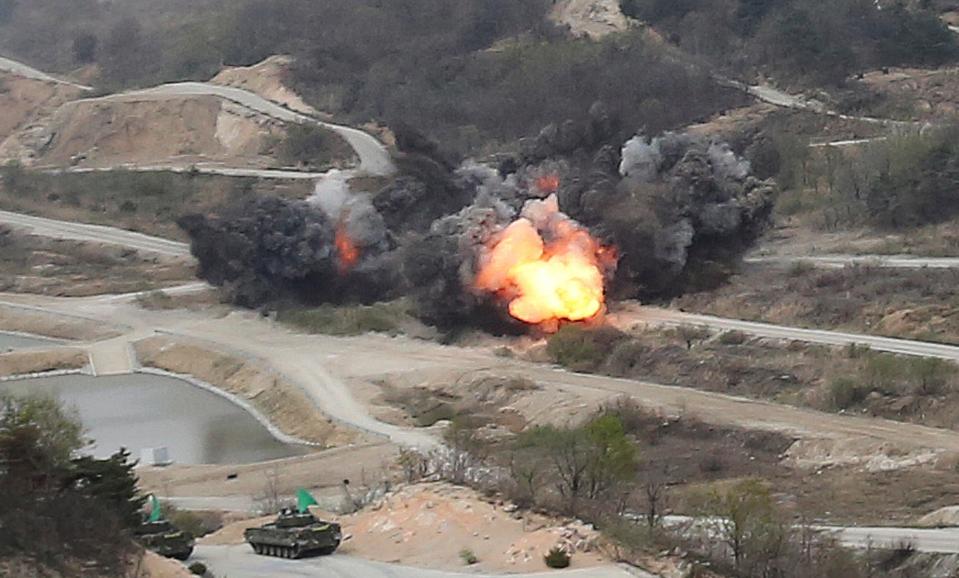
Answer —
592 18
23 101
941 518
432 525
184 130
267 79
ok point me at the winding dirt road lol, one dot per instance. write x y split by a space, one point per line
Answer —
374 157
21 69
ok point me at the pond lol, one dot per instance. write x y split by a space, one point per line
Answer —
149 411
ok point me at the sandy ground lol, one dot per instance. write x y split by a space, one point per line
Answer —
430 525
364 465
139 131
35 264
284 404
156 566
24 101
24 362
59 326
592 18
268 79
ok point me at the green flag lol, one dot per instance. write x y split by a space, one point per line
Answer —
155 513
304 500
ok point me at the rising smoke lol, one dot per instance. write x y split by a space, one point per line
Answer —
649 218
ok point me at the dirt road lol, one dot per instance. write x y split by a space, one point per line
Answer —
840 261
632 314
21 69
241 562
331 369
94 233
374 157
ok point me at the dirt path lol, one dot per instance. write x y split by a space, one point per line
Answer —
330 370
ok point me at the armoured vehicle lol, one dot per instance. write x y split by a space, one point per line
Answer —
294 535
165 539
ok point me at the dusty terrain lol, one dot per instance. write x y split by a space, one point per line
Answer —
24 101
37 322
24 362
920 94
147 202
430 525
365 465
269 79
138 131
592 18
33 264
906 303
284 404
793 237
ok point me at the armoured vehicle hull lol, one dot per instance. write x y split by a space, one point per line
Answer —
294 535
165 539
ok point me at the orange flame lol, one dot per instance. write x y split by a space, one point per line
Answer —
348 253
547 281
548 184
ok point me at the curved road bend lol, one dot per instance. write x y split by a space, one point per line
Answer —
374 157
21 69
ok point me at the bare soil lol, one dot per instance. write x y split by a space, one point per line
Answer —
430 525
914 304
32 264
23 102
365 465
269 79
591 18
160 130
284 404
24 362
795 237
58 326
146 202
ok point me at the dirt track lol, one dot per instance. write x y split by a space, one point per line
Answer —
331 370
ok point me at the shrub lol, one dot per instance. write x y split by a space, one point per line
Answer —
557 558
468 557
198 568
845 392
733 338
929 375
580 349
346 320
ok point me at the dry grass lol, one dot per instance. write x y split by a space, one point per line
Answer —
64 268
905 303
146 202
21 363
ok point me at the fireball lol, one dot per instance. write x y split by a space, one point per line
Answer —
548 267
348 254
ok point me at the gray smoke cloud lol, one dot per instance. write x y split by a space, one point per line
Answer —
677 207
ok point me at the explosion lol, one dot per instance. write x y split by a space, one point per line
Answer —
547 266
548 184
346 250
